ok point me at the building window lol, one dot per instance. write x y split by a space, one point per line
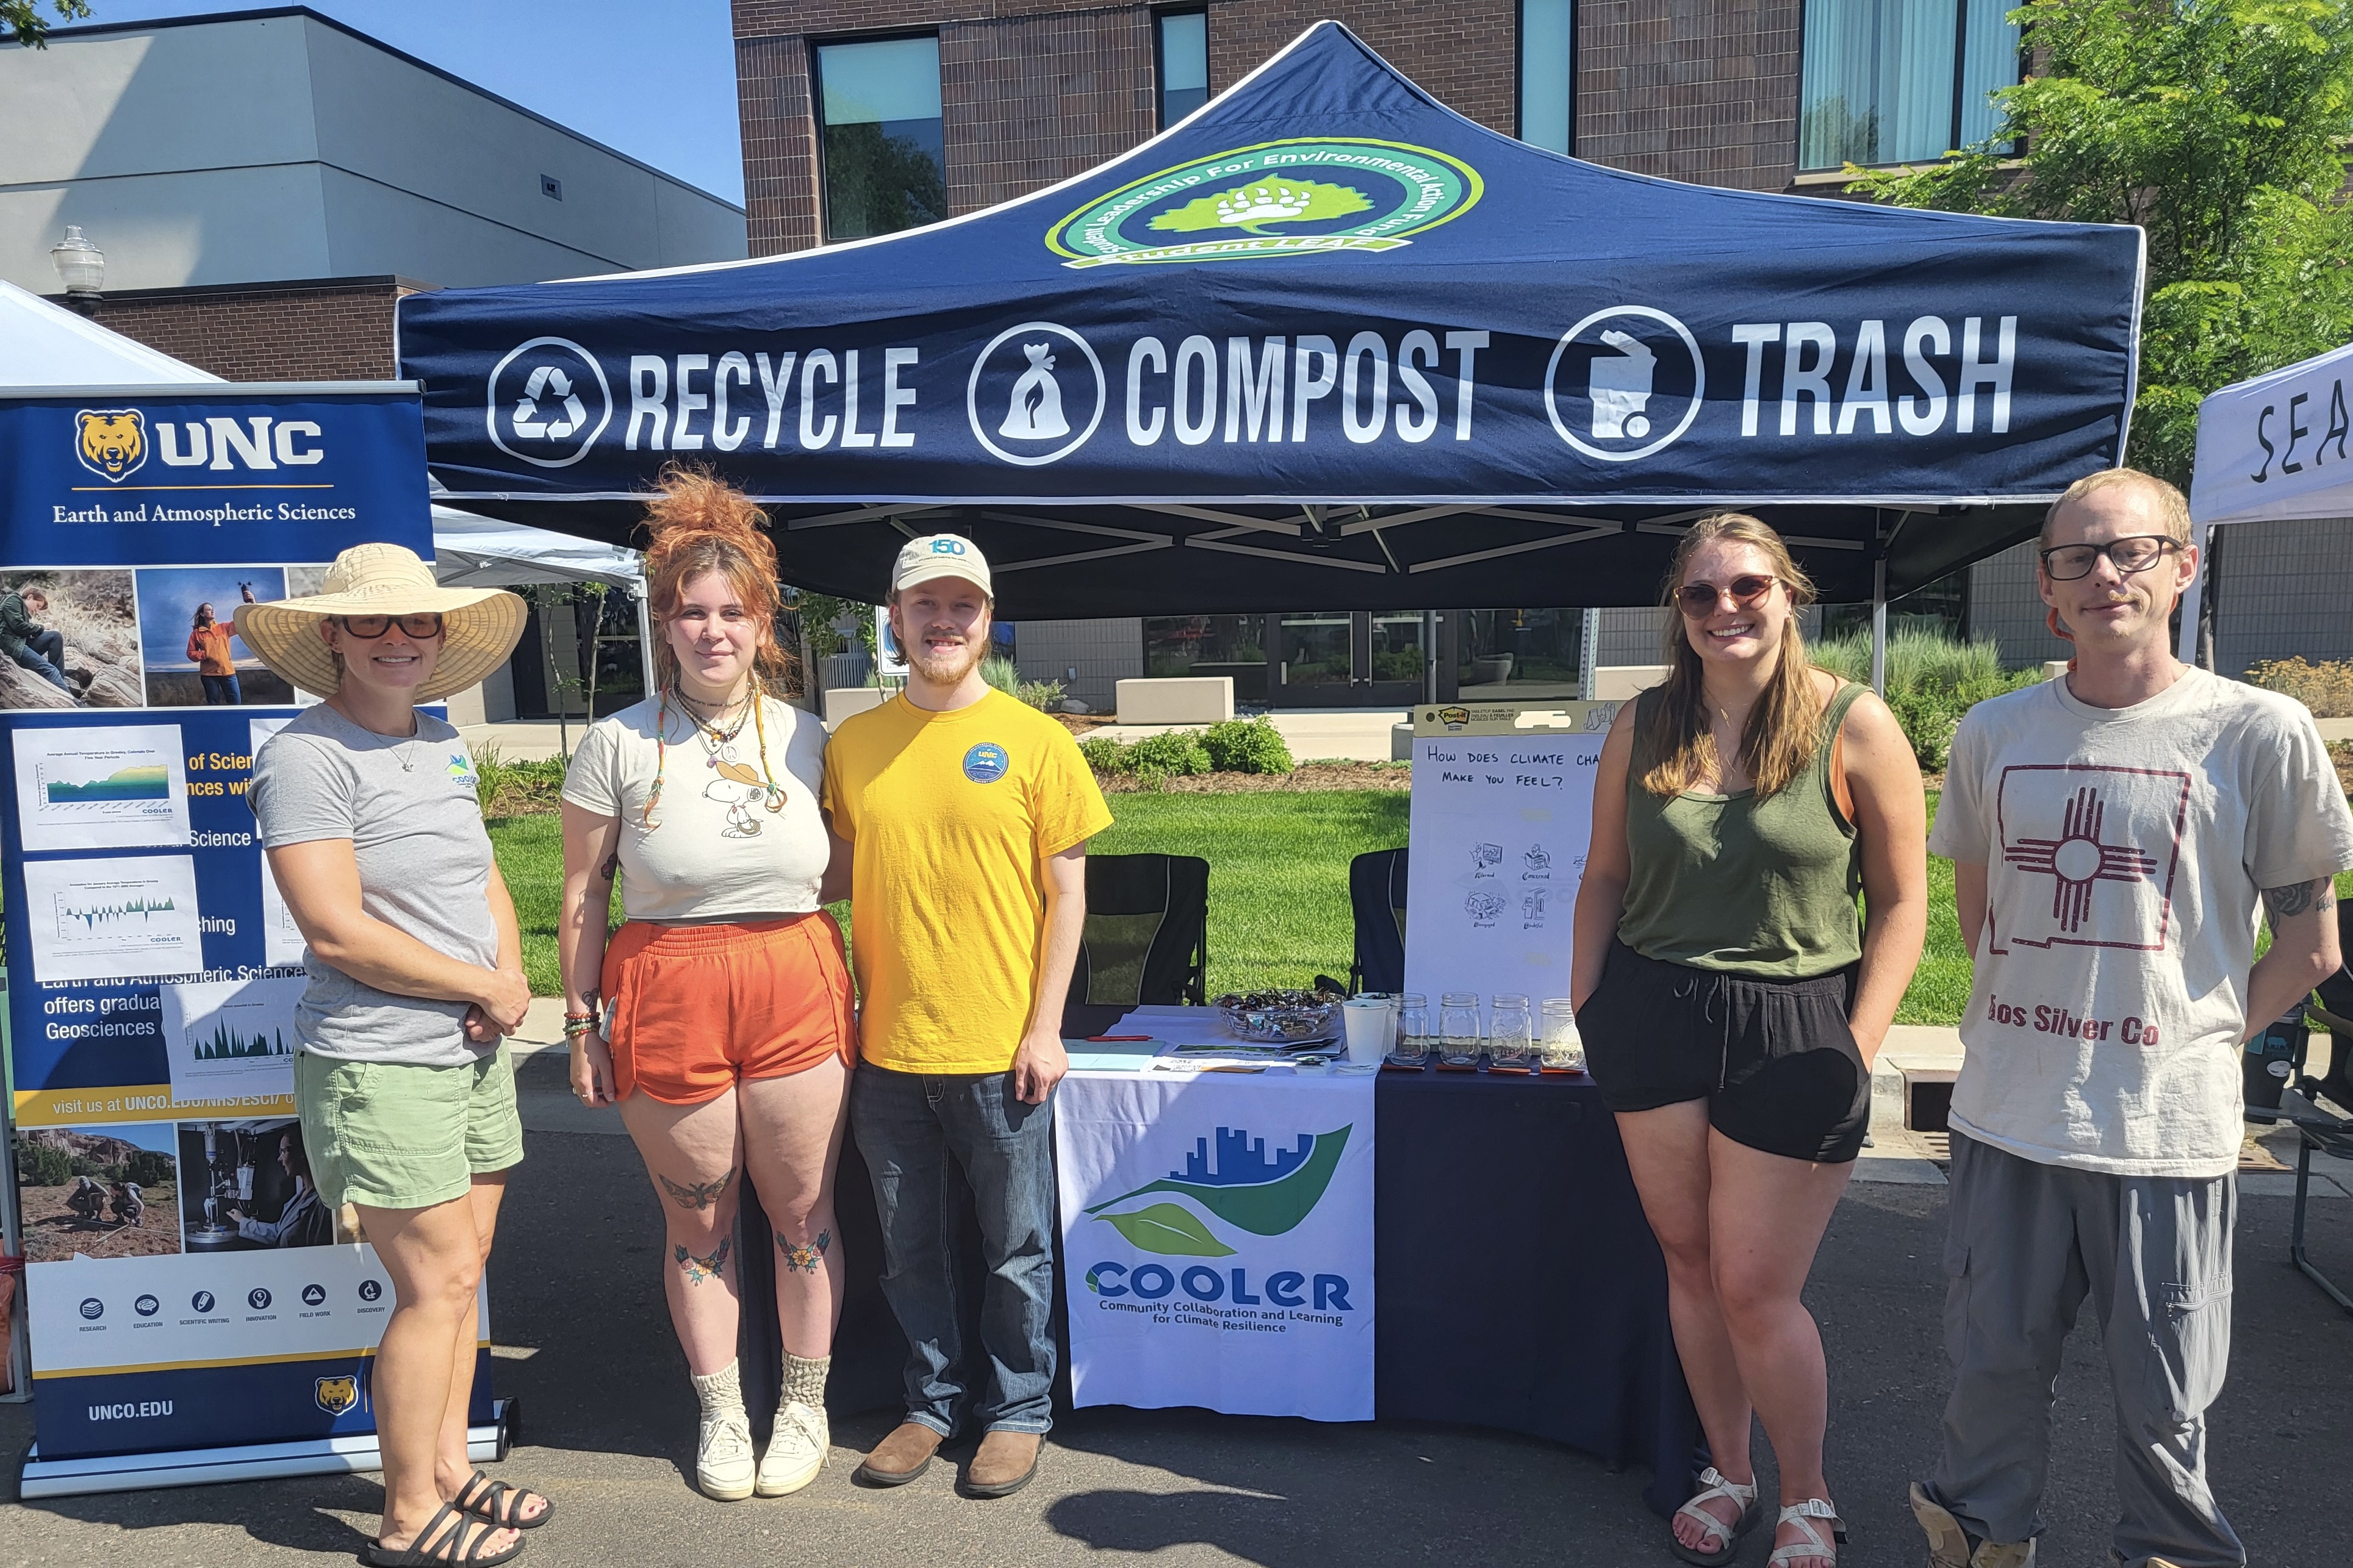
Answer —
883 152
1900 81
1549 74
1183 45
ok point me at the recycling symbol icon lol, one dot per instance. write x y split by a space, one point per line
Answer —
548 402
548 380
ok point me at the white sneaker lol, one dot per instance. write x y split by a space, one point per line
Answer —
723 1456
797 1450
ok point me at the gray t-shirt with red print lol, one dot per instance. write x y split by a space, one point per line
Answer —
2125 853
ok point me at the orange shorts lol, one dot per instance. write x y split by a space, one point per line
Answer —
696 1008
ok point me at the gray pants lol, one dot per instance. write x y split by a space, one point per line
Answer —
2027 1243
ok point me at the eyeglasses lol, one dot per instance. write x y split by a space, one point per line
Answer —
2138 553
367 628
1697 599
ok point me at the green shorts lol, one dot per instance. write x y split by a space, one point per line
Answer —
397 1135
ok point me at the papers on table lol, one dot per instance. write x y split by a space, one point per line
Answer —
1196 1034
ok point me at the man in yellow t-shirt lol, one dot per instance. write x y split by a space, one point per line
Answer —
969 813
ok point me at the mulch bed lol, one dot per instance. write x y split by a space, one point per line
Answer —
1304 778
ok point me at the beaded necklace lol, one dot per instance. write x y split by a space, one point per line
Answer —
715 743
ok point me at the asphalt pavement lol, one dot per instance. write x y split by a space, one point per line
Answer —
609 1426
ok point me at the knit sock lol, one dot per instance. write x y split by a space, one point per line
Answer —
804 1381
721 1392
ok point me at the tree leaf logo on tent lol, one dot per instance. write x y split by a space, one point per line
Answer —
1303 196
1241 1185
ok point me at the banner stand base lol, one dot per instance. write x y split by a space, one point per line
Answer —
254 1462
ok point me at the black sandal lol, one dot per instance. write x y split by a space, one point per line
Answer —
485 1498
417 1554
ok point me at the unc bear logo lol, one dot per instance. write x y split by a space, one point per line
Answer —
337 1394
114 441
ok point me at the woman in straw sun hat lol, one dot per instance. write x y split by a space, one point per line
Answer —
375 837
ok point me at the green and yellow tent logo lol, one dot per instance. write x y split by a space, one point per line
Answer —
1298 197
1243 1186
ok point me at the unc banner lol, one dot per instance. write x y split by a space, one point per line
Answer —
1217 1234
1322 288
186 1288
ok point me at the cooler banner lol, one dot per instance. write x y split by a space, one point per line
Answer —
186 1287
1218 1233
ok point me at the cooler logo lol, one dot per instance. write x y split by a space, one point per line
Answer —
113 442
985 762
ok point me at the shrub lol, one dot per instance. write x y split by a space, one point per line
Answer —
42 1165
1105 755
152 1168
1247 746
1001 673
1159 757
1932 681
1043 695
2326 688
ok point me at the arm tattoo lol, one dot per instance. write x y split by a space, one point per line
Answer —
2301 898
698 1269
703 1194
805 1257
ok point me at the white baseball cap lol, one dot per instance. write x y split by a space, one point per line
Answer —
941 555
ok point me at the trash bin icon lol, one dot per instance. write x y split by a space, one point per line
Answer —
1620 389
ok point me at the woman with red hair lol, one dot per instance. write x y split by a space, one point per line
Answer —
718 1016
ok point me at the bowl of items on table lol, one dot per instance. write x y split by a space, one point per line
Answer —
1281 1016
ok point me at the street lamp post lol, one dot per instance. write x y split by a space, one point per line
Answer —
82 267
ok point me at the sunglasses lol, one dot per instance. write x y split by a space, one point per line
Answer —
367 628
1697 599
2138 552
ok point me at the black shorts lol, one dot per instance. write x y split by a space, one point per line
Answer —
1773 1059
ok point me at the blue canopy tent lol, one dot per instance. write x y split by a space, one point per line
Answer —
1326 342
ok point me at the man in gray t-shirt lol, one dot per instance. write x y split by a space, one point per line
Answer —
408 807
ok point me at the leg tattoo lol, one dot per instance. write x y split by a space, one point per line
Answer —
698 1269
805 1257
697 1194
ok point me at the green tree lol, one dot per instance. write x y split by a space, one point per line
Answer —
2217 127
22 19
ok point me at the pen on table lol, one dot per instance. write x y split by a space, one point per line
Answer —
1107 1039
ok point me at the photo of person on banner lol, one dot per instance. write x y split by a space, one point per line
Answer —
208 641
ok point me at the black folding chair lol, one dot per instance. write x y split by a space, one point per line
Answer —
2325 1128
1377 884
1147 938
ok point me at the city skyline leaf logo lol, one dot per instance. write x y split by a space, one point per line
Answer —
1242 1185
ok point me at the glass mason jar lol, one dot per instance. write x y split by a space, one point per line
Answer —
1412 1045
1563 1047
1458 1028
1509 1036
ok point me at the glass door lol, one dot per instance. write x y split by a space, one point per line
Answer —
1347 659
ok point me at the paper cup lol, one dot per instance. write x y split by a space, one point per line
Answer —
1369 1023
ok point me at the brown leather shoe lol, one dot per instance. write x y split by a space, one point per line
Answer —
899 1459
1005 1464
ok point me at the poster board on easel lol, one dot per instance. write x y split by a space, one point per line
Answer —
1501 819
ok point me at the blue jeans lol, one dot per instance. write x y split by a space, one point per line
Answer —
923 1137
221 690
43 653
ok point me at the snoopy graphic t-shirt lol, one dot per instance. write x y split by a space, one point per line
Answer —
734 833
2125 853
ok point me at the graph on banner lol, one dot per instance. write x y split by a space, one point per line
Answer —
231 1037
103 920
118 787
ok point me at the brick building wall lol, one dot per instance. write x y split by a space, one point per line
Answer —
332 330
1033 91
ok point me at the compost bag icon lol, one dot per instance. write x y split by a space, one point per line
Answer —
1241 1187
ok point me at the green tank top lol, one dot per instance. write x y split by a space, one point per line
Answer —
1743 885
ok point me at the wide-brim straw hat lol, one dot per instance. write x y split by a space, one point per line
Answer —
479 626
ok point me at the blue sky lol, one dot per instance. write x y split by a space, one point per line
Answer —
655 79
168 597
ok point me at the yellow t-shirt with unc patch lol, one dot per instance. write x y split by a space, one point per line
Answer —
951 815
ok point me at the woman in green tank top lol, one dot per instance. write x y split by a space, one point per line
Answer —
1732 995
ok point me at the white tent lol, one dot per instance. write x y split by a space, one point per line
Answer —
2272 449
42 344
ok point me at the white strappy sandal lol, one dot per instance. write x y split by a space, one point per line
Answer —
1714 1485
1802 1515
